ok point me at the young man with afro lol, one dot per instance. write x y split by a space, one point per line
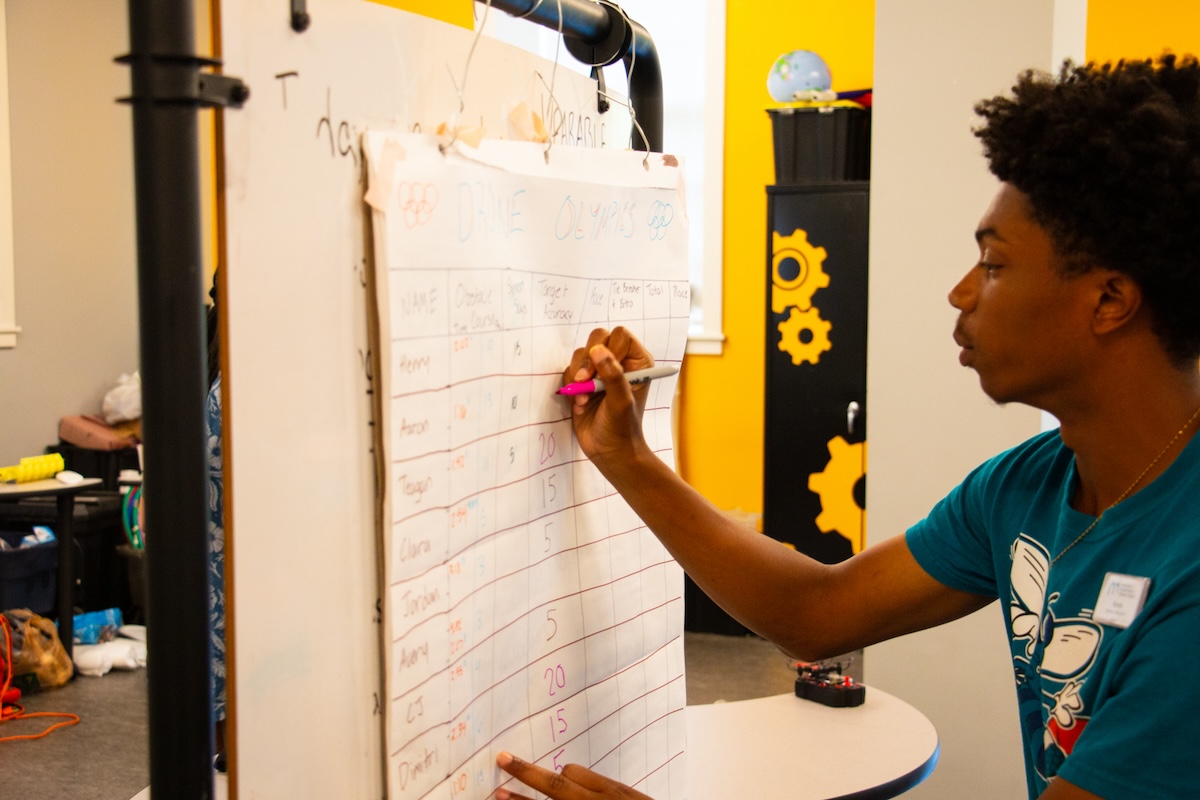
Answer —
1083 303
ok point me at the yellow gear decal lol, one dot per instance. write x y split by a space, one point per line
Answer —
835 486
797 291
791 342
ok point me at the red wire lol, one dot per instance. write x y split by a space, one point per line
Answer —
72 719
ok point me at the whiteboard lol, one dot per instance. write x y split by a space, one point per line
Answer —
528 609
305 688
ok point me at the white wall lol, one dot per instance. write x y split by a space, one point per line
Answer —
929 423
72 177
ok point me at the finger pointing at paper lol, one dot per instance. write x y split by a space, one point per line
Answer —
573 783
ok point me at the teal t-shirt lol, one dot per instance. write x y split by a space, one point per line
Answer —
1114 710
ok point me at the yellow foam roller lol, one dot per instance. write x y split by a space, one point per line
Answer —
34 468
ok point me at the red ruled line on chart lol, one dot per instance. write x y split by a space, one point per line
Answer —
483 539
534 327
497 434
407 270
591 723
499 531
514 482
476 379
398 636
464 381
448 450
594 762
529 664
525 618
655 771
467 497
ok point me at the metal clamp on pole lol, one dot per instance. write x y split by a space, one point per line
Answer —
609 46
176 79
602 104
301 19
222 90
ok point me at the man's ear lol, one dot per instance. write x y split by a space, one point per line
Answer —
1118 300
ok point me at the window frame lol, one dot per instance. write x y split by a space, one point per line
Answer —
8 301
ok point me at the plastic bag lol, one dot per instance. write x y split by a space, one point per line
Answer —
124 401
96 660
39 660
96 627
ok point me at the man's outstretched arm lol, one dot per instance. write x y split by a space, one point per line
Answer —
811 610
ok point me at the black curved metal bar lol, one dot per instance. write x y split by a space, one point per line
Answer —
592 24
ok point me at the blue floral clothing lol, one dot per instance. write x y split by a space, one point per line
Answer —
216 539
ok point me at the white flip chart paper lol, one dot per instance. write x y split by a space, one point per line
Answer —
526 607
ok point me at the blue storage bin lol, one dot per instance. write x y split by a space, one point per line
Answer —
28 575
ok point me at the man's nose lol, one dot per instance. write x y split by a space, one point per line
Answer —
962 296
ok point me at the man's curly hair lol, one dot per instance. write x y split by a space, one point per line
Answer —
1109 156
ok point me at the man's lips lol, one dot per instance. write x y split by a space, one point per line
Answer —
962 341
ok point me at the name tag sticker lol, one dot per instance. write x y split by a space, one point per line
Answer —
1121 598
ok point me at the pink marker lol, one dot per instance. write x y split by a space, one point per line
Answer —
595 385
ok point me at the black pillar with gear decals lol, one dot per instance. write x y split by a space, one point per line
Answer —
815 391
814 453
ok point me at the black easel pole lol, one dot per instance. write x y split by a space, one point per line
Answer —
598 34
173 370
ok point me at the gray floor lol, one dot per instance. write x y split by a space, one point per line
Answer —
101 758
105 756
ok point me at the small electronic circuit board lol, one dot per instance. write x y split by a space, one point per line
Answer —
827 685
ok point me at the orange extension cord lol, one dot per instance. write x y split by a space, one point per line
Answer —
14 711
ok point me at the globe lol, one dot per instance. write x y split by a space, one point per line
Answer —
797 71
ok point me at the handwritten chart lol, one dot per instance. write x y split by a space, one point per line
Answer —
527 608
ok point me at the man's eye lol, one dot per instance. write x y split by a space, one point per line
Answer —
989 266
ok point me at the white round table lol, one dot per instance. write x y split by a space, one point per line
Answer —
786 747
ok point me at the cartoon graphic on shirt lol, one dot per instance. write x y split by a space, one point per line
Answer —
1067 647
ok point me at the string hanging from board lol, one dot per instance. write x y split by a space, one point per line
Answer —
460 89
629 106
602 92
553 75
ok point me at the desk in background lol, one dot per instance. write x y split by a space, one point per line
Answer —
786 748
64 532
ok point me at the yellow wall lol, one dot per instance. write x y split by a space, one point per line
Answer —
459 12
722 415
1120 29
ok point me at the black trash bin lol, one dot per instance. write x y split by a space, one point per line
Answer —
100 574
28 575
819 144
